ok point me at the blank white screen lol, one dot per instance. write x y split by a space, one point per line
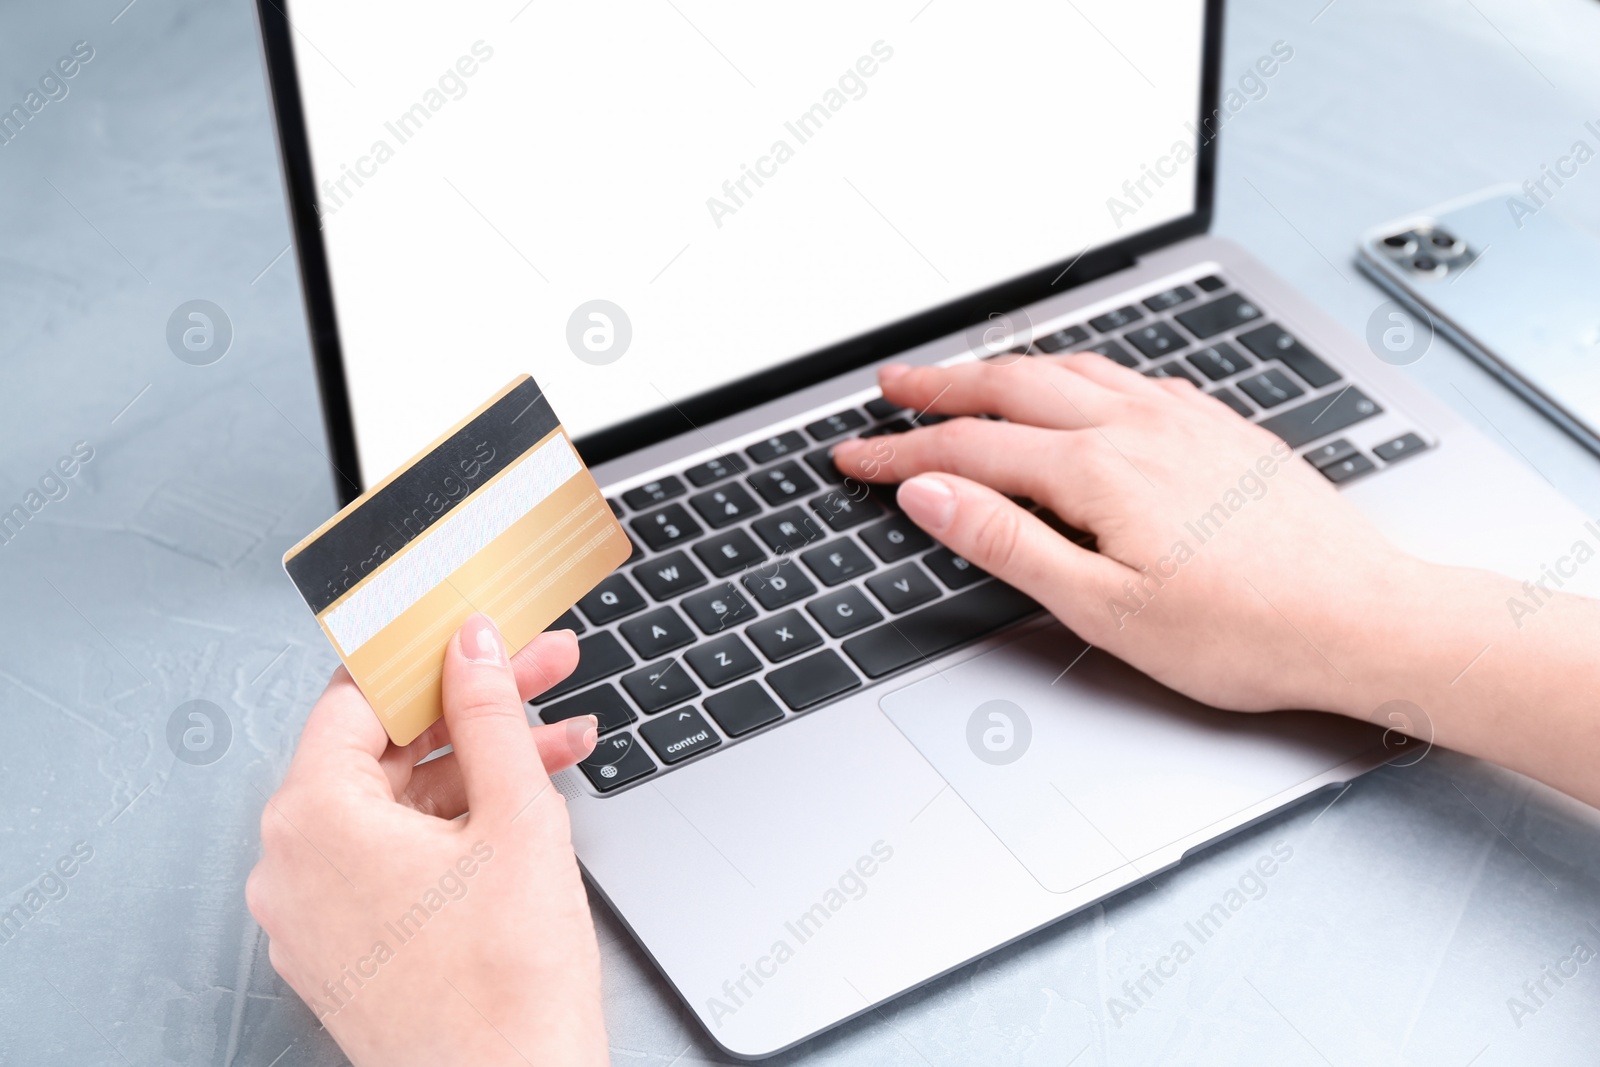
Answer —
578 159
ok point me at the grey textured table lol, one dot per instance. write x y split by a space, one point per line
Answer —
1409 913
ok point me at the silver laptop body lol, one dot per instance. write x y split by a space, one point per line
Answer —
789 879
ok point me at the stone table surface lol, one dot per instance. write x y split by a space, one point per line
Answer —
1412 910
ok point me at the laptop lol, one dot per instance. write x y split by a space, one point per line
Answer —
837 760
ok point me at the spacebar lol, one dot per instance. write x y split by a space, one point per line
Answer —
1321 417
938 628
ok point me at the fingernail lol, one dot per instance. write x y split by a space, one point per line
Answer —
929 502
480 641
890 371
591 734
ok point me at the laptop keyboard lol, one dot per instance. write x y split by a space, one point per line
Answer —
763 584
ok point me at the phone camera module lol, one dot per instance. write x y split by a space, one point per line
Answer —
1447 243
1400 244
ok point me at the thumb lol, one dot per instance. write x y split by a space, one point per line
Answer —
1008 541
499 762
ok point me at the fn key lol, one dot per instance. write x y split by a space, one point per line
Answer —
616 760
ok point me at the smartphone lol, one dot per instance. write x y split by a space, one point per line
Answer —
1508 280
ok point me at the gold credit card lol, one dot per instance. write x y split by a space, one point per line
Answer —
498 516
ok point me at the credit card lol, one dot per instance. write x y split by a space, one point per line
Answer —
498 516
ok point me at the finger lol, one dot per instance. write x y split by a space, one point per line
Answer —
544 661
399 761
1010 543
342 735
1006 456
483 711
538 665
436 787
1030 391
1181 388
1107 373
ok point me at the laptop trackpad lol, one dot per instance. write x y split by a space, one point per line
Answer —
1101 767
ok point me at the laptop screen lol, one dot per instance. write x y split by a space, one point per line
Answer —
642 201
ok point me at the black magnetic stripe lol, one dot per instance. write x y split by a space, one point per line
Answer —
402 510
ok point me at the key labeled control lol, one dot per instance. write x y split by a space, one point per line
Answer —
678 735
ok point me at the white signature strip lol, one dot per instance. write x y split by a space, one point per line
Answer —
443 549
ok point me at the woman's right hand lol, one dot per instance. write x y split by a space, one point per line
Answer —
1226 568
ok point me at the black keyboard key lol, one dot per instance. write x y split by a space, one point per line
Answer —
1233 400
615 762
836 424
839 511
725 505
742 709
603 702
882 408
844 612
812 680
612 599
1273 342
782 483
657 632
727 659
729 552
714 470
788 530
836 561
1179 294
1270 388
652 493
667 527
1062 340
1218 361
1220 315
1322 417
1113 351
955 571
892 426
1332 452
718 608
659 686
820 461
667 576
783 636
567 620
1174 369
1156 340
895 538
1113 320
600 655
903 588
616 508
1401 447
938 628
1211 283
680 735
636 555
773 447
782 582
1346 469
